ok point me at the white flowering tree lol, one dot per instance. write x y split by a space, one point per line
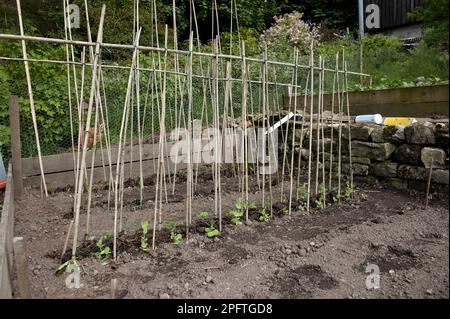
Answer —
290 30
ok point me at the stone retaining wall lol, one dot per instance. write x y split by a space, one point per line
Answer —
398 155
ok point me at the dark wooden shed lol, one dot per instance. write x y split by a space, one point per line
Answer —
393 13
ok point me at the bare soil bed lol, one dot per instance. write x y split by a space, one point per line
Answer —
322 254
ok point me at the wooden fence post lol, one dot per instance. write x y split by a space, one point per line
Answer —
20 259
14 122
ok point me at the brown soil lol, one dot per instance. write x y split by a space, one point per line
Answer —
323 254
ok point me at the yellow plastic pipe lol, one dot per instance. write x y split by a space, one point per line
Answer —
404 121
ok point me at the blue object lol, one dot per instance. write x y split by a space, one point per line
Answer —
374 118
2 169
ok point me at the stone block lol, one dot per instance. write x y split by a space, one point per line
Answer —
408 154
375 151
421 133
377 134
359 131
436 154
397 183
409 172
440 176
394 134
384 169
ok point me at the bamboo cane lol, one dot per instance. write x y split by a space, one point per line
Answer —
291 185
216 164
189 127
339 130
79 191
159 50
311 110
30 94
319 102
94 145
285 146
349 123
119 151
427 195
332 129
322 134
264 115
244 121
69 92
302 131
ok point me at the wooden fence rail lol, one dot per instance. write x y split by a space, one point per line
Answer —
423 101
6 239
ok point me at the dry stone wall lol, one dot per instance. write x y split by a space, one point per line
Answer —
400 156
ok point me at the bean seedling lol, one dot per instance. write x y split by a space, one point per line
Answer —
71 264
302 207
348 193
320 202
210 231
302 192
175 237
203 214
240 206
335 197
103 251
144 240
237 214
264 216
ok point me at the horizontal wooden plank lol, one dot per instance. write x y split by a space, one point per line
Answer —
64 162
55 179
63 179
416 101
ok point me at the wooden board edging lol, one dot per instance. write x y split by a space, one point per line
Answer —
6 239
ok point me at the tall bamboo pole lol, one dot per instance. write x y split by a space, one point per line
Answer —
311 111
349 123
119 151
79 191
319 102
190 131
30 94
339 129
291 185
69 92
302 132
322 133
245 128
217 153
330 182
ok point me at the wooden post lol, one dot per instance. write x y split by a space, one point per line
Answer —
428 184
113 288
14 123
23 281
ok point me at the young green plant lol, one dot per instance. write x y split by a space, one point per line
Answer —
320 202
175 237
210 231
348 193
240 208
264 216
103 251
144 240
